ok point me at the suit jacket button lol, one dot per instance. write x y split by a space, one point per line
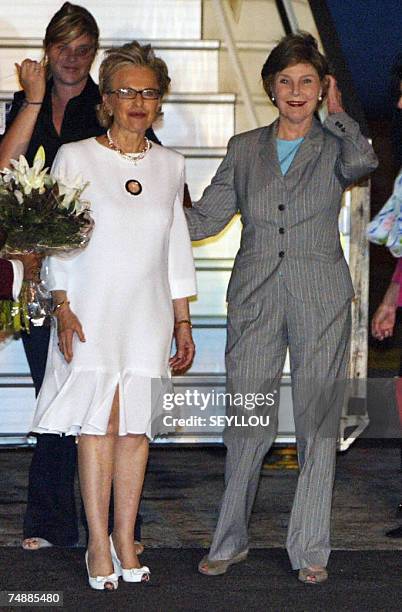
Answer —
337 124
281 230
281 207
281 253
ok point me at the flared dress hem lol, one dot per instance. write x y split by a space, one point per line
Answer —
90 393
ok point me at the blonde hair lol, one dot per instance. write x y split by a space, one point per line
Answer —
130 54
70 22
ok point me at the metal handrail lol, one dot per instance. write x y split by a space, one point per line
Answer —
290 14
223 16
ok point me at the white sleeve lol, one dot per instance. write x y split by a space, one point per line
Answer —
18 270
56 272
60 164
181 263
56 269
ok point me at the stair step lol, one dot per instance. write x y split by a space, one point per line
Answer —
209 355
104 43
202 152
199 172
191 120
224 246
211 296
18 405
203 58
197 120
156 19
202 98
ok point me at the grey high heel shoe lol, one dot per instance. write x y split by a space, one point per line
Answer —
310 575
217 568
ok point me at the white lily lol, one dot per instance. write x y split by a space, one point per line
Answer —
19 196
70 193
28 178
81 206
40 157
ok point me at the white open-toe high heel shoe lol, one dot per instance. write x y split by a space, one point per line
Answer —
98 582
135 574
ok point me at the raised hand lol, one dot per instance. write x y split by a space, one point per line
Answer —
334 96
32 77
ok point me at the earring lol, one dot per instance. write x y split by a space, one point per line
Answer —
273 99
320 98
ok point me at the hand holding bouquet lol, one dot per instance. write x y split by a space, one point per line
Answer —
39 214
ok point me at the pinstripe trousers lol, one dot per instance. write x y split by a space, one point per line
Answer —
317 334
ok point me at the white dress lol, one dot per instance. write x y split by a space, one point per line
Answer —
121 288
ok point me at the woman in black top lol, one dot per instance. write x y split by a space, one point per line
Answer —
57 105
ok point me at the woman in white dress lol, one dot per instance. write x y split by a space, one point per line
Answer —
117 304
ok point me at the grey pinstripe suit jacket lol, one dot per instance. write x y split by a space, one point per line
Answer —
290 223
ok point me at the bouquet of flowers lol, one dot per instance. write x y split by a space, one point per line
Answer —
42 214
386 227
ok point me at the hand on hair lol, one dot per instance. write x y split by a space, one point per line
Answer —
334 96
32 79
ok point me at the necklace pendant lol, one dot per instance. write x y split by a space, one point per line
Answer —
133 187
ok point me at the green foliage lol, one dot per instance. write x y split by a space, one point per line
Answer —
40 212
39 221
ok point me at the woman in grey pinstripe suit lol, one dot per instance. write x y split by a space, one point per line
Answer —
290 288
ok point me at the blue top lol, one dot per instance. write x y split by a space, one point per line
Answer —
287 150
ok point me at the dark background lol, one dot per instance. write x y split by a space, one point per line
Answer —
363 41
370 32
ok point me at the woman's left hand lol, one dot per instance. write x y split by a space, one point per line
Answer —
68 324
185 349
334 96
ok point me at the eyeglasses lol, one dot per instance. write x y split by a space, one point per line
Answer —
80 52
128 93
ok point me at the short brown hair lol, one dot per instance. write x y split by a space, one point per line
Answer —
300 48
130 54
70 22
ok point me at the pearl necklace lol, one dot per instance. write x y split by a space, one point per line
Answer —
132 157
